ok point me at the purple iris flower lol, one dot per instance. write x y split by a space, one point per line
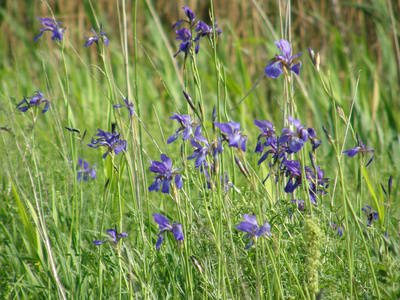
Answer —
96 37
284 62
201 152
166 174
185 35
187 125
51 25
128 105
36 100
252 229
293 171
191 16
109 140
86 171
202 30
371 215
295 140
312 136
114 237
360 149
232 134
277 153
164 226
267 132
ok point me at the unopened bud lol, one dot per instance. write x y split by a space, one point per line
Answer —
189 101
242 168
317 61
328 136
341 114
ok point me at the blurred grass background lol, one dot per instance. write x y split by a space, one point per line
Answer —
353 38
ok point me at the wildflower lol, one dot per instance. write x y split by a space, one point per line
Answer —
164 226
114 237
109 140
360 149
36 100
200 152
203 29
164 168
371 215
295 140
267 132
86 171
252 228
128 105
51 25
185 35
232 135
293 171
187 125
96 37
278 152
284 62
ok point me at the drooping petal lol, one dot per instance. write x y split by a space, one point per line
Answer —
178 181
296 68
177 232
295 144
352 152
155 186
249 245
266 228
246 227
159 242
172 138
98 243
166 185
273 69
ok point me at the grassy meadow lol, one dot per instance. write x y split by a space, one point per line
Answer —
304 221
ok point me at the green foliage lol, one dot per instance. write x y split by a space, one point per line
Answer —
49 220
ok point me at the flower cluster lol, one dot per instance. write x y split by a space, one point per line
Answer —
36 100
109 140
57 33
86 172
185 34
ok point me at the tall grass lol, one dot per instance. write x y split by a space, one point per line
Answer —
49 219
